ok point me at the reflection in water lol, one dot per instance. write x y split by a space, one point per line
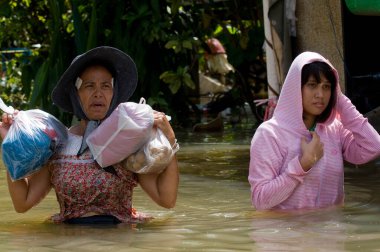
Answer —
213 212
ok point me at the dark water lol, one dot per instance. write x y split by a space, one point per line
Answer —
213 212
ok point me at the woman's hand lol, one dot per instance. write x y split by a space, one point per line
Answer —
161 121
311 151
163 187
6 122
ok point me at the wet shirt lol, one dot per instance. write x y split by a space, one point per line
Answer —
82 187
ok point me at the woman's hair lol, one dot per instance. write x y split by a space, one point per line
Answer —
315 69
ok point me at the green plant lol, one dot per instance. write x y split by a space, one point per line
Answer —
164 37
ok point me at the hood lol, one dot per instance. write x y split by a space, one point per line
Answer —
288 111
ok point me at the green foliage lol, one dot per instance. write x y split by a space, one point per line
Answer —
179 45
164 37
11 86
158 102
178 79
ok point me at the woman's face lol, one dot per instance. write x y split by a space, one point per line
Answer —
315 96
96 92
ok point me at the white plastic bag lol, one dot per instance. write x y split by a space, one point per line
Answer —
122 133
32 139
153 157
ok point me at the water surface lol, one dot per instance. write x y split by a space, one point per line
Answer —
213 212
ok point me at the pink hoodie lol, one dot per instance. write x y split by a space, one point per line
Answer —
275 173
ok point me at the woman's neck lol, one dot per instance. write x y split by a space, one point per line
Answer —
79 129
309 122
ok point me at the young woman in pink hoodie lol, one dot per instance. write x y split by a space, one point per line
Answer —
297 156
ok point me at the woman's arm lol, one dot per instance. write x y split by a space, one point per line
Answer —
163 187
28 192
271 184
25 193
361 142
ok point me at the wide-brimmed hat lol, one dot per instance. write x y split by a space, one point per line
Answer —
122 68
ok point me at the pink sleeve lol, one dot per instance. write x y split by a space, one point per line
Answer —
270 186
361 142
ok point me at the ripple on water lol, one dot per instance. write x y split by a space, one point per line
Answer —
213 213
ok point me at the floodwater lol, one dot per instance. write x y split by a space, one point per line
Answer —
213 212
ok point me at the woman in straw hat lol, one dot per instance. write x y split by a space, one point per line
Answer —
91 88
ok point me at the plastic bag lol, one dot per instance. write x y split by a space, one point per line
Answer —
153 157
125 131
32 139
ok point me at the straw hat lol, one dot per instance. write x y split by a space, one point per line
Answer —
123 70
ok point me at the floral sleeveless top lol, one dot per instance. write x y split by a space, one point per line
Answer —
83 187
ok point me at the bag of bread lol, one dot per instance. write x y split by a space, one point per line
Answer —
153 157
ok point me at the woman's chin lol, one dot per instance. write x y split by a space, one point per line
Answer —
96 116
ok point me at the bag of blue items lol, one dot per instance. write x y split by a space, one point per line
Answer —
32 139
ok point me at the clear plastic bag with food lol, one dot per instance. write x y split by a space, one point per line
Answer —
154 156
32 139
